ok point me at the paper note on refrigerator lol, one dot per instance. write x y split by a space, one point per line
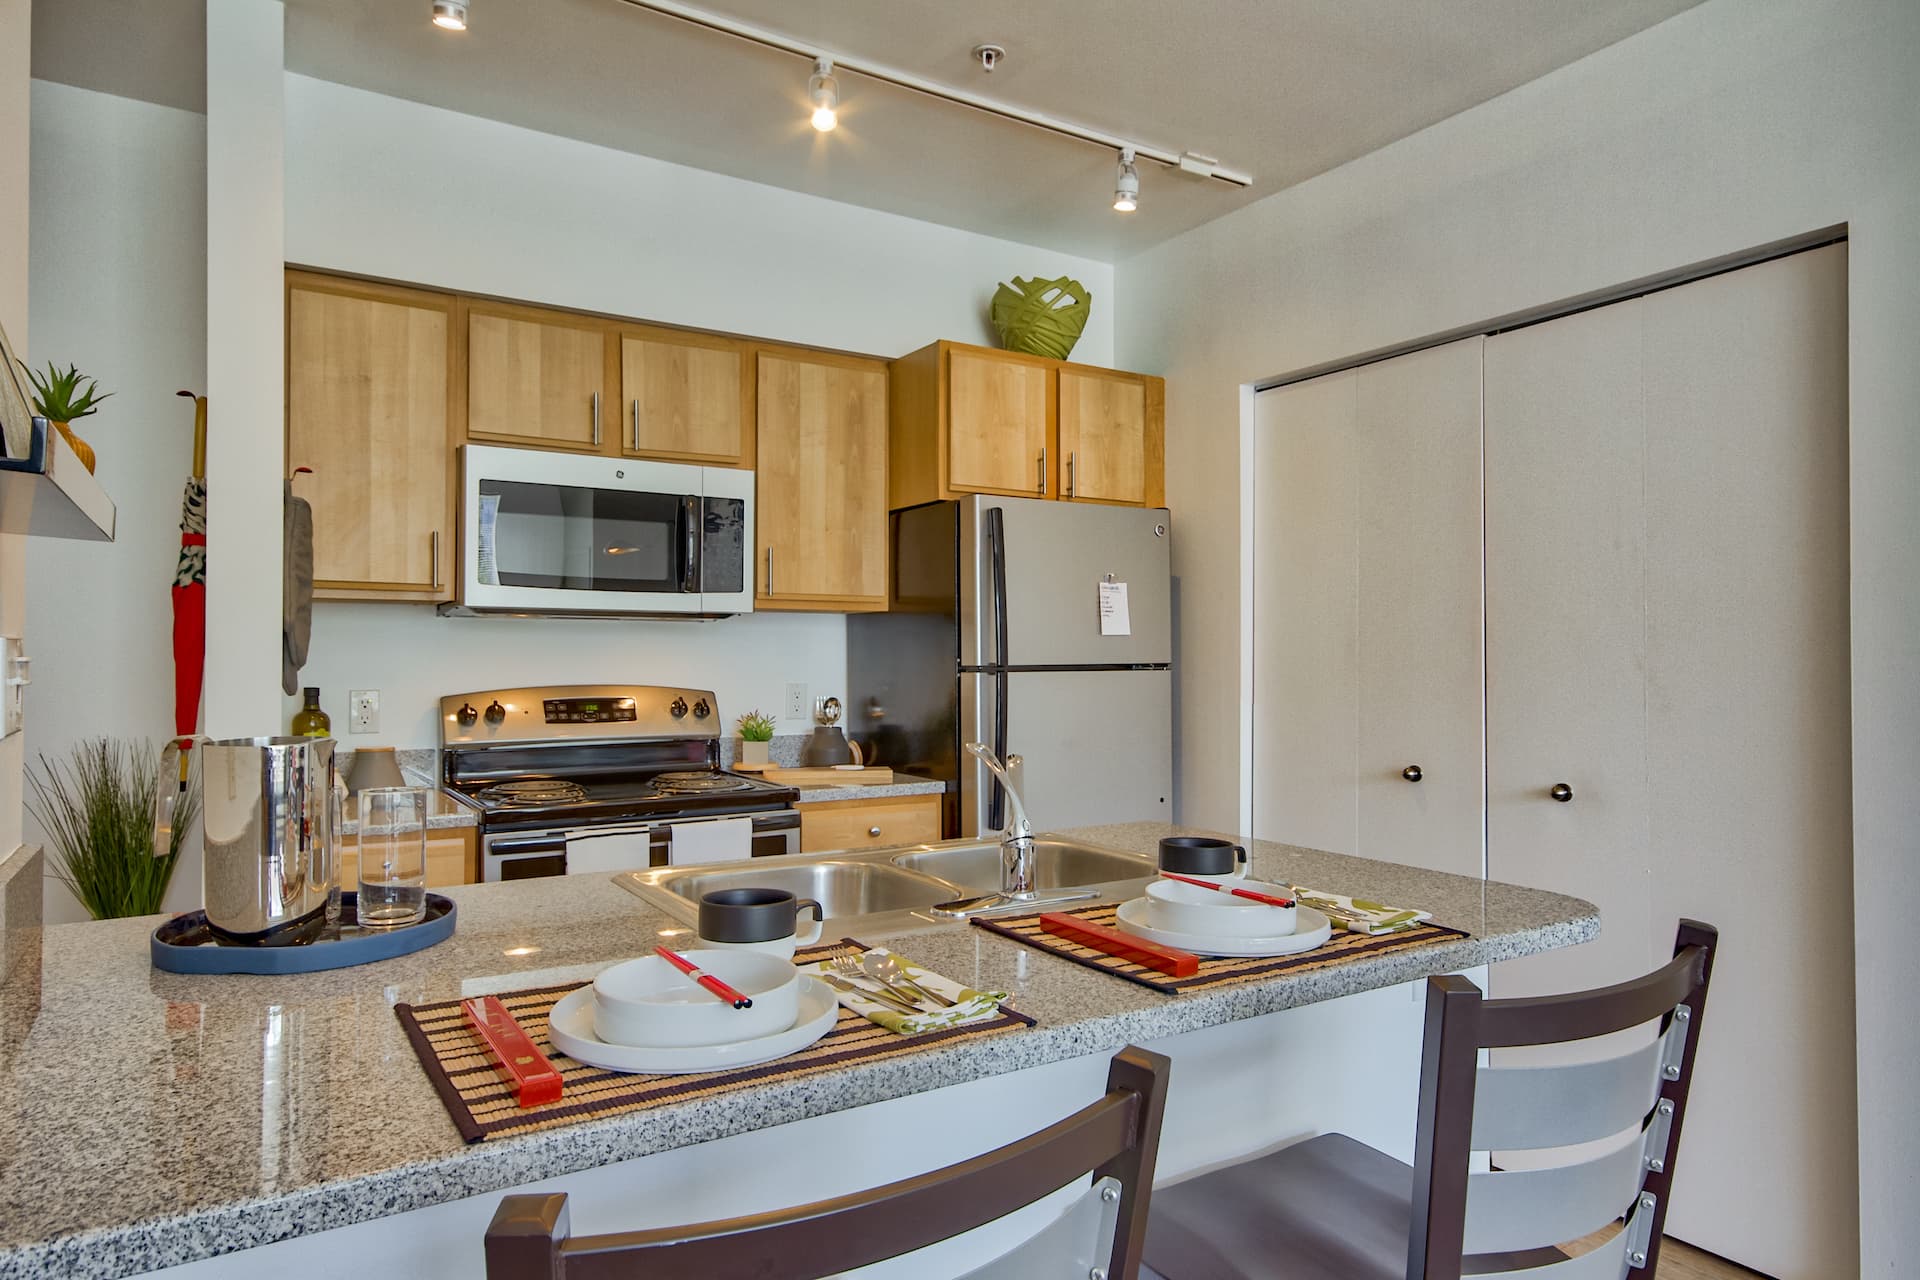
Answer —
1113 610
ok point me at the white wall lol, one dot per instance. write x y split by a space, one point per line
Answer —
390 188
15 111
131 224
1735 124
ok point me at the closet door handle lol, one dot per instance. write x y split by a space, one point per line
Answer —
1560 791
433 550
596 419
1042 486
636 426
1069 485
769 570
1412 773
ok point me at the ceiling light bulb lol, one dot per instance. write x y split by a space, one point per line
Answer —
824 92
450 14
1126 184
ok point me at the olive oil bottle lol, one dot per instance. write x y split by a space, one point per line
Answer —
310 721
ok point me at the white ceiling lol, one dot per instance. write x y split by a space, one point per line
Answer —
1283 89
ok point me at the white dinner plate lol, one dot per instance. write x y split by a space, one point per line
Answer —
1310 929
570 1030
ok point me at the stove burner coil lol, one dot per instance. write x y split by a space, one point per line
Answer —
686 783
535 791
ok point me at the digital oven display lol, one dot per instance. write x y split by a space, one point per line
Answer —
589 710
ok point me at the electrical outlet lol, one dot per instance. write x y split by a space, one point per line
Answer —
796 701
363 711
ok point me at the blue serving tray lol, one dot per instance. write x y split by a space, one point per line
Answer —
185 944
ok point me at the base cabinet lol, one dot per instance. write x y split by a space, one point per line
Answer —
860 824
452 858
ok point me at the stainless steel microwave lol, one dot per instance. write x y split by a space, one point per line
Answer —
568 534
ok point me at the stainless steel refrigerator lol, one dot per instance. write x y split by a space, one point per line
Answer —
1004 627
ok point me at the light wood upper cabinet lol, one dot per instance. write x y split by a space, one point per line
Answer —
368 389
685 396
998 420
537 377
1103 437
974 420
821 482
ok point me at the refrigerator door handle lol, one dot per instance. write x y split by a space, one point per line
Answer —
997 572
996 794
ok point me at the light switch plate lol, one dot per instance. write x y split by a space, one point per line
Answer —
14 679
363 711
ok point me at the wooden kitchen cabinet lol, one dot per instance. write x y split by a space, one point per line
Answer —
537 378
974 420
369 385
821 485
452 858
686 396
857 824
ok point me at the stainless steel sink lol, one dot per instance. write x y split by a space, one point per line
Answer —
844 886
1058 864
882 888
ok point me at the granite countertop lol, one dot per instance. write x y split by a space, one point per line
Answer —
903 784
150 1119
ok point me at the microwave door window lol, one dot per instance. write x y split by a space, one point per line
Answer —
571 538
637 541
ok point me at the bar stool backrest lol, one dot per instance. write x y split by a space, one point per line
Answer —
1465 1107
1115 1139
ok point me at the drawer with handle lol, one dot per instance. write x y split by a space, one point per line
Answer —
862 824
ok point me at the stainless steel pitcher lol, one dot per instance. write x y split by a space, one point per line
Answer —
269 813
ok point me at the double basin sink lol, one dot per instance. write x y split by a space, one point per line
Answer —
887 887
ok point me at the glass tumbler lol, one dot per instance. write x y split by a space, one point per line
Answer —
393 856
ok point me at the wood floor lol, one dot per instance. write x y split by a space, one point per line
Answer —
1677 1261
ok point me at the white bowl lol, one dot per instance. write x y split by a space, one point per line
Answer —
1211 913
648 1002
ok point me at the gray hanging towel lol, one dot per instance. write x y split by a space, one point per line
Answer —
296 591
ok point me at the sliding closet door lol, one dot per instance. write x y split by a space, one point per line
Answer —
1748 738
1566 642
1421 687
1305 682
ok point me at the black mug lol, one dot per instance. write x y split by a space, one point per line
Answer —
752 917
1201 856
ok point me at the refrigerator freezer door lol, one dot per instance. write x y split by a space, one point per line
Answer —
1096 746
1057 554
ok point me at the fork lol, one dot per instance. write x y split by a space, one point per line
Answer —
847 965
878 997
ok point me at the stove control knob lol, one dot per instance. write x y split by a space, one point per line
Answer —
466 715
679 708
701 710
495 712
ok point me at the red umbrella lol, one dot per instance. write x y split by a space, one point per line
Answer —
190 590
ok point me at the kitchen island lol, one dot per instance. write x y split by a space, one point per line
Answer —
226 1126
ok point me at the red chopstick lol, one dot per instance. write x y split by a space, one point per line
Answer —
704 978
533 1077
1168 960
1267 898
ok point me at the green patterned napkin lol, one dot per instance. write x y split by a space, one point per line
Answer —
969 1005
1357 915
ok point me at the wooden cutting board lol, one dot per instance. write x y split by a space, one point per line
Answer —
872 775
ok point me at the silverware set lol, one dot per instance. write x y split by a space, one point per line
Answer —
883 979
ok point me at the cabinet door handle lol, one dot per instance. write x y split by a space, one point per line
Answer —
596 418
873 831
433 546
1042 486
636 425
1561 791
1412 773
769 570
1069 484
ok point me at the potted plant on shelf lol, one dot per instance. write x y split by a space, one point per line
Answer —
97 810
756 731
61 400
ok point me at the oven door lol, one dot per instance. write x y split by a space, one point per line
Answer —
558 533
523 856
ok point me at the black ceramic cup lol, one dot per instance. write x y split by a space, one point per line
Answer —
751 915
1201 856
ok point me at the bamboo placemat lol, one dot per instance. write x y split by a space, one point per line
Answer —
1214 971
482 1106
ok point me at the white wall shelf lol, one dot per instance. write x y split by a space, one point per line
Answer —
49 494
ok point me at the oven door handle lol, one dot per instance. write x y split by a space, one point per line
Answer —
607 833
555 843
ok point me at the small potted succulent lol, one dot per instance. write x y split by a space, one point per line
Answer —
756 731
61 400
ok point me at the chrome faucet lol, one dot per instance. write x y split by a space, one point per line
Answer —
1018 861
1016 843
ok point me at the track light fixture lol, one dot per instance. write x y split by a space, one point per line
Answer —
824 92
1126 183
450 15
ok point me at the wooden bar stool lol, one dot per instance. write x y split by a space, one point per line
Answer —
1331 1208
1114 1139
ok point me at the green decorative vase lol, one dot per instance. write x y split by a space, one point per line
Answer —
1041 317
